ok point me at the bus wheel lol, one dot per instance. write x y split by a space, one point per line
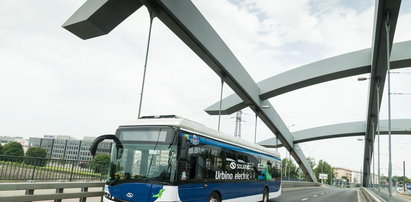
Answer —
214 197
265 195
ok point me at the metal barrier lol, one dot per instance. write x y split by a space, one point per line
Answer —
293 184
29 168
57 186
383 194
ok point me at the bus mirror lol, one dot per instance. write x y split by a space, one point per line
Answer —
94 145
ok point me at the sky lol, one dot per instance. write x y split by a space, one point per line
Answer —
53 83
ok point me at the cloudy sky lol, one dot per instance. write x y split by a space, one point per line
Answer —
53 83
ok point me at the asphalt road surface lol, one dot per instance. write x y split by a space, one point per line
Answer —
318 194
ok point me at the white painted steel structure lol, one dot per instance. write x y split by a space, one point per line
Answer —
99 17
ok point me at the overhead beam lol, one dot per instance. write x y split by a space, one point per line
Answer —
338 67
385 10
99 17
400 127
184 19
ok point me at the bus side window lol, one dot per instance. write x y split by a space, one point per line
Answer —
229 162
195 164
213 161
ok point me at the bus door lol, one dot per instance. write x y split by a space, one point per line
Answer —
193 185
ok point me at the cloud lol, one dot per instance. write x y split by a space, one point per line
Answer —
56 83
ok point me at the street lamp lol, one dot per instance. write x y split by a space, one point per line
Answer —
387 29
377 119
289 160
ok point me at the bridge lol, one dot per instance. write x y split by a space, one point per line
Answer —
99 17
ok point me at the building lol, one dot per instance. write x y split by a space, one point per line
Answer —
343 173
66 147
6 139
356 177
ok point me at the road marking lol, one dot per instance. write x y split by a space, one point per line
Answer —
322 193
304 199
315 196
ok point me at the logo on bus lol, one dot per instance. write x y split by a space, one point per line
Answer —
248 166
194 140
129 195
233 165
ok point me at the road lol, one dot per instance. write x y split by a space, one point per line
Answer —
319 194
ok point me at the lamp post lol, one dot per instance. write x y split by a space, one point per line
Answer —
377 117
387 29
289 159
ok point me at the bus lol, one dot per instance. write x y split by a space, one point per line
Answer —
168 158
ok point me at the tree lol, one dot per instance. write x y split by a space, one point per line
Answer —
384 180
1 149
36 152
13 149
100 163
289 168
324 167
38 155
311 161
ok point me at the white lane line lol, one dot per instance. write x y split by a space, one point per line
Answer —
322 193
315 196
304 199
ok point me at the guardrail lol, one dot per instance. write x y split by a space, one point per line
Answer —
59 194
383 194
30 168
292 184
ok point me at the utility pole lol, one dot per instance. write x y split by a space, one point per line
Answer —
237 129
289 167
322 171
403 174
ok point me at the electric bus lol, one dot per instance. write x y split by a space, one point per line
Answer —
167 158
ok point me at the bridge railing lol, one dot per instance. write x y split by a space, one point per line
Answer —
295 184
31 188
29 168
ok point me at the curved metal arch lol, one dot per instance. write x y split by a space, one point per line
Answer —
342 66
399 127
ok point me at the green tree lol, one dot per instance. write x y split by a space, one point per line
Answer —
324 167
38 156
100 163
312 163
13 149
36 152
289 168
1 149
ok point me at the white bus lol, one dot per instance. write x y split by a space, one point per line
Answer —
167 158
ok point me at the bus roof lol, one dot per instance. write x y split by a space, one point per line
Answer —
200 129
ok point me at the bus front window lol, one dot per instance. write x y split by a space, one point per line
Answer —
149 155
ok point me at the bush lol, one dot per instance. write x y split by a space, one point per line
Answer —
100 163
39 155
14 150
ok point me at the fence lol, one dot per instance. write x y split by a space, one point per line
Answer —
28 168
383 193
32 195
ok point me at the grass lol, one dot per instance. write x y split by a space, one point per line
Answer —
62 168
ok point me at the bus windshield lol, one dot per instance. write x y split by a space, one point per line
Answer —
148 155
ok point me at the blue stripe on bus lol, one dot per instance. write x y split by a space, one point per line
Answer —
231 147
228 190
